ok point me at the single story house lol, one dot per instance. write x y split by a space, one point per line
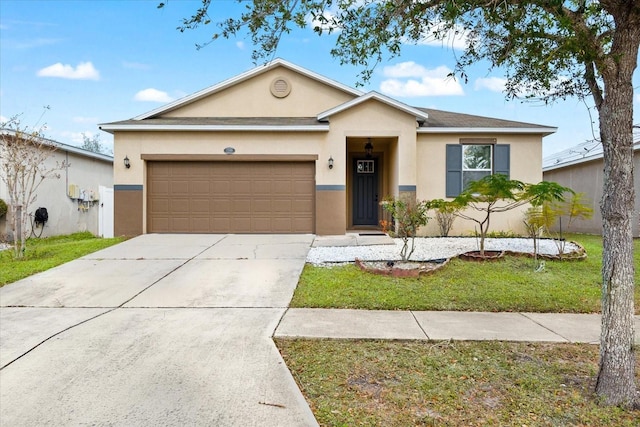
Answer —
281 149
581 168
73 201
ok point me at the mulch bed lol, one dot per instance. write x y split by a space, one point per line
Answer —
416 268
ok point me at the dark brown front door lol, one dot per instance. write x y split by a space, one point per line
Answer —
365 192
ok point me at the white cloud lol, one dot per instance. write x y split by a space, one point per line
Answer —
408 79
637 97
152 95
84 71
494 84
4 119
240 44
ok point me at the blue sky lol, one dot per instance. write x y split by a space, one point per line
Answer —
99 61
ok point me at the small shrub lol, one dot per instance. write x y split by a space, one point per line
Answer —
3 208
409 215
445 214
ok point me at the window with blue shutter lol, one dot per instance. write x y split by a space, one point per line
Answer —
470 162
454 170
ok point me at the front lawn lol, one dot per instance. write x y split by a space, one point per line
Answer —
508 285
43 254
391 383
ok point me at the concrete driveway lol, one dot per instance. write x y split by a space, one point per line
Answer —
158 330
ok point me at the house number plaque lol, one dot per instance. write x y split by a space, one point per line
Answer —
365 166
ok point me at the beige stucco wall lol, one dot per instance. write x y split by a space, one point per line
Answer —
135 144
525 162
587 178
65 214
373 119
253 98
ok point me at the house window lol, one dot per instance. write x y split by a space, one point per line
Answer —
476 163
470 162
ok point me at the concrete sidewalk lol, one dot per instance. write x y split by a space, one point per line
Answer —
442 325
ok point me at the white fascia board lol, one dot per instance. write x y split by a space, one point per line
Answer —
214 128
420 115
544 131
245 76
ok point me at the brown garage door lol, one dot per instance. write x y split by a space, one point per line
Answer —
230 197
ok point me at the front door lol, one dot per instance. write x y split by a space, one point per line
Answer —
365 192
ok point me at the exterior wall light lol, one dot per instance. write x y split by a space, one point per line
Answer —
368 149
127 163
330 162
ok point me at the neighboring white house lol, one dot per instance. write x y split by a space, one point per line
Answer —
581 169
72 201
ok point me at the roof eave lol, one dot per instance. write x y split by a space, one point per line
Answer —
545 131
421 116
65 147
111 128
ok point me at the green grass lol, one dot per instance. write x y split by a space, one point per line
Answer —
508 285
46 253
391 383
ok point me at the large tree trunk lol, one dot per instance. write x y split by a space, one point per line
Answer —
616 377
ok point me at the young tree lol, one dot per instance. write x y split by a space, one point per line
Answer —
23 155
550 49
497 193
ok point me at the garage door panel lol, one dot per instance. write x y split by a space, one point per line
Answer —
200 206
220 206
159 206
200 225
179 224
179 188
282 206
236 197
241 187
199 187
178 206
242 205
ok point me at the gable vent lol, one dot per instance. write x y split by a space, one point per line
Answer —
280 87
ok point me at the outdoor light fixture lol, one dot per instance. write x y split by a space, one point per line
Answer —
368 148
127 163
330 162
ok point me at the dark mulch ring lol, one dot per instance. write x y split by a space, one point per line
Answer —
416 268
402 268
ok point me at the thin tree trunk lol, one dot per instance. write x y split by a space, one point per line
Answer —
616 377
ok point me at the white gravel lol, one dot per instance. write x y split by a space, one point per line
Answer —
430 248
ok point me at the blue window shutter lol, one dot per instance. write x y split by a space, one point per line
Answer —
454 170
501 159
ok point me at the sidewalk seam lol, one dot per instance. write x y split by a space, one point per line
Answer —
544 327
419 325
